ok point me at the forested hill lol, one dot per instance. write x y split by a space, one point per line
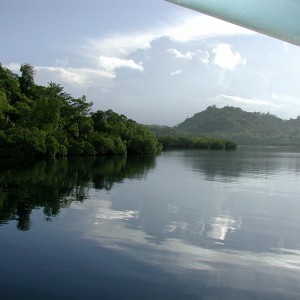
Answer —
46 121
233 123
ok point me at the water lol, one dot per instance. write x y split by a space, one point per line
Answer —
183 225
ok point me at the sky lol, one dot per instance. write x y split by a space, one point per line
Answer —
153 61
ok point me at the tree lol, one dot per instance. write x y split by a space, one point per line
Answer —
9 84
4 105
46 121
27 79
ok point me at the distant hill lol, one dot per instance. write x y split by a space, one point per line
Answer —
235 124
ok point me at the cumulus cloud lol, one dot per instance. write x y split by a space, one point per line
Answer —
177 72
99 58
110 63
188 55
108 53
226 58
202 55
193 28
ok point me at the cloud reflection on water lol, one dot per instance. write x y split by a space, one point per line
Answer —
226 267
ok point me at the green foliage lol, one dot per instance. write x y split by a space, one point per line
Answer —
179 142
4 105
26 142
230 145
9 84
119 147
88 149
217 145
27 79
52 146
234 124
136 138
160 130
45 121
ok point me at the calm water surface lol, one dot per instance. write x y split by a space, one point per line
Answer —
183 225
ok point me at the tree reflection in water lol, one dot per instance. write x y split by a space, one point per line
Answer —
54 184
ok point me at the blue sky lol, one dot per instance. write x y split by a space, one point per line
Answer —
153 61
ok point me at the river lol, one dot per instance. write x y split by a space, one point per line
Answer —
183 225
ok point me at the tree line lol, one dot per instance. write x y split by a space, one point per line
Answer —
184 142
45 121
235 124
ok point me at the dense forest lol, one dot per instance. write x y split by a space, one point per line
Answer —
174 141
235 124
43 121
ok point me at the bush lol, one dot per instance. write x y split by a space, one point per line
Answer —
217 145
76 148
230 145
88 149
27 142
52 146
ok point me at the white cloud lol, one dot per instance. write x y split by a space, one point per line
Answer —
99 58
119 45
109 53
193 28
276 96
75 75
225 58
14 67
84 77
77 80
101 76
188 55
200 27
202 55
177 72
251 101
110 229
110 63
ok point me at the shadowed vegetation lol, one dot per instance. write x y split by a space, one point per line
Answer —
235 124
41 121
